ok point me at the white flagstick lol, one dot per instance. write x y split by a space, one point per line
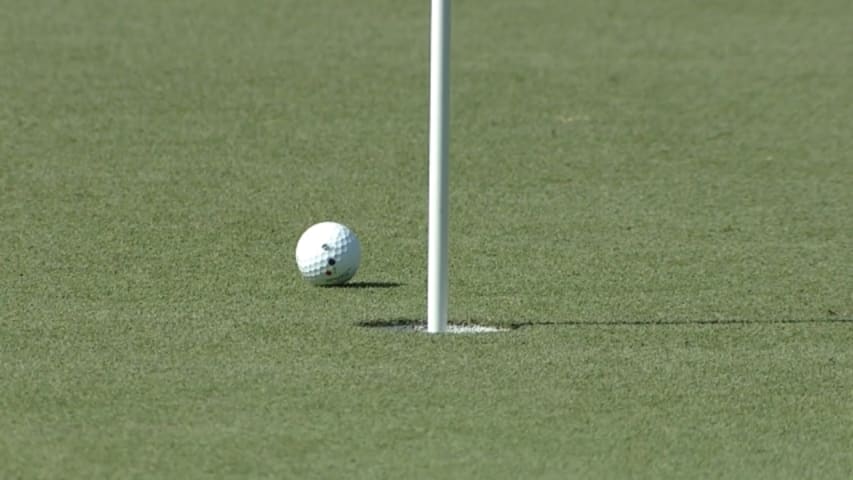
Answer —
439 120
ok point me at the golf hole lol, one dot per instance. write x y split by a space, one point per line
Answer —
451 329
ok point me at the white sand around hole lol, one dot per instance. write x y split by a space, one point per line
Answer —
450 328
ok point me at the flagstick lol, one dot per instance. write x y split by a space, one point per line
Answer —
439 120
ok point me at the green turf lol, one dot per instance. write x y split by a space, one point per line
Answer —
656 197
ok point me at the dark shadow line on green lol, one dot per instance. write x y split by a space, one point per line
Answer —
409 322
397 322
368 285
652 323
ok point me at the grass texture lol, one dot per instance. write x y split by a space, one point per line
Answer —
655 198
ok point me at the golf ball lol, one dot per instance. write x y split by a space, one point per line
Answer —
328 253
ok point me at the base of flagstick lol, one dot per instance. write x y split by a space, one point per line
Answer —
452 329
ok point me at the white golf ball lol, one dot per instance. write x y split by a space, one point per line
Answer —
328 253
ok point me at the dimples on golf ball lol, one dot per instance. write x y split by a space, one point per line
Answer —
328 253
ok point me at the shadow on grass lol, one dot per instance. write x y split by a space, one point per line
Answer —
409 322
406 323
653 323
397 322
368 285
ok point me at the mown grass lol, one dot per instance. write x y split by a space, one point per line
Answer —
655 198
